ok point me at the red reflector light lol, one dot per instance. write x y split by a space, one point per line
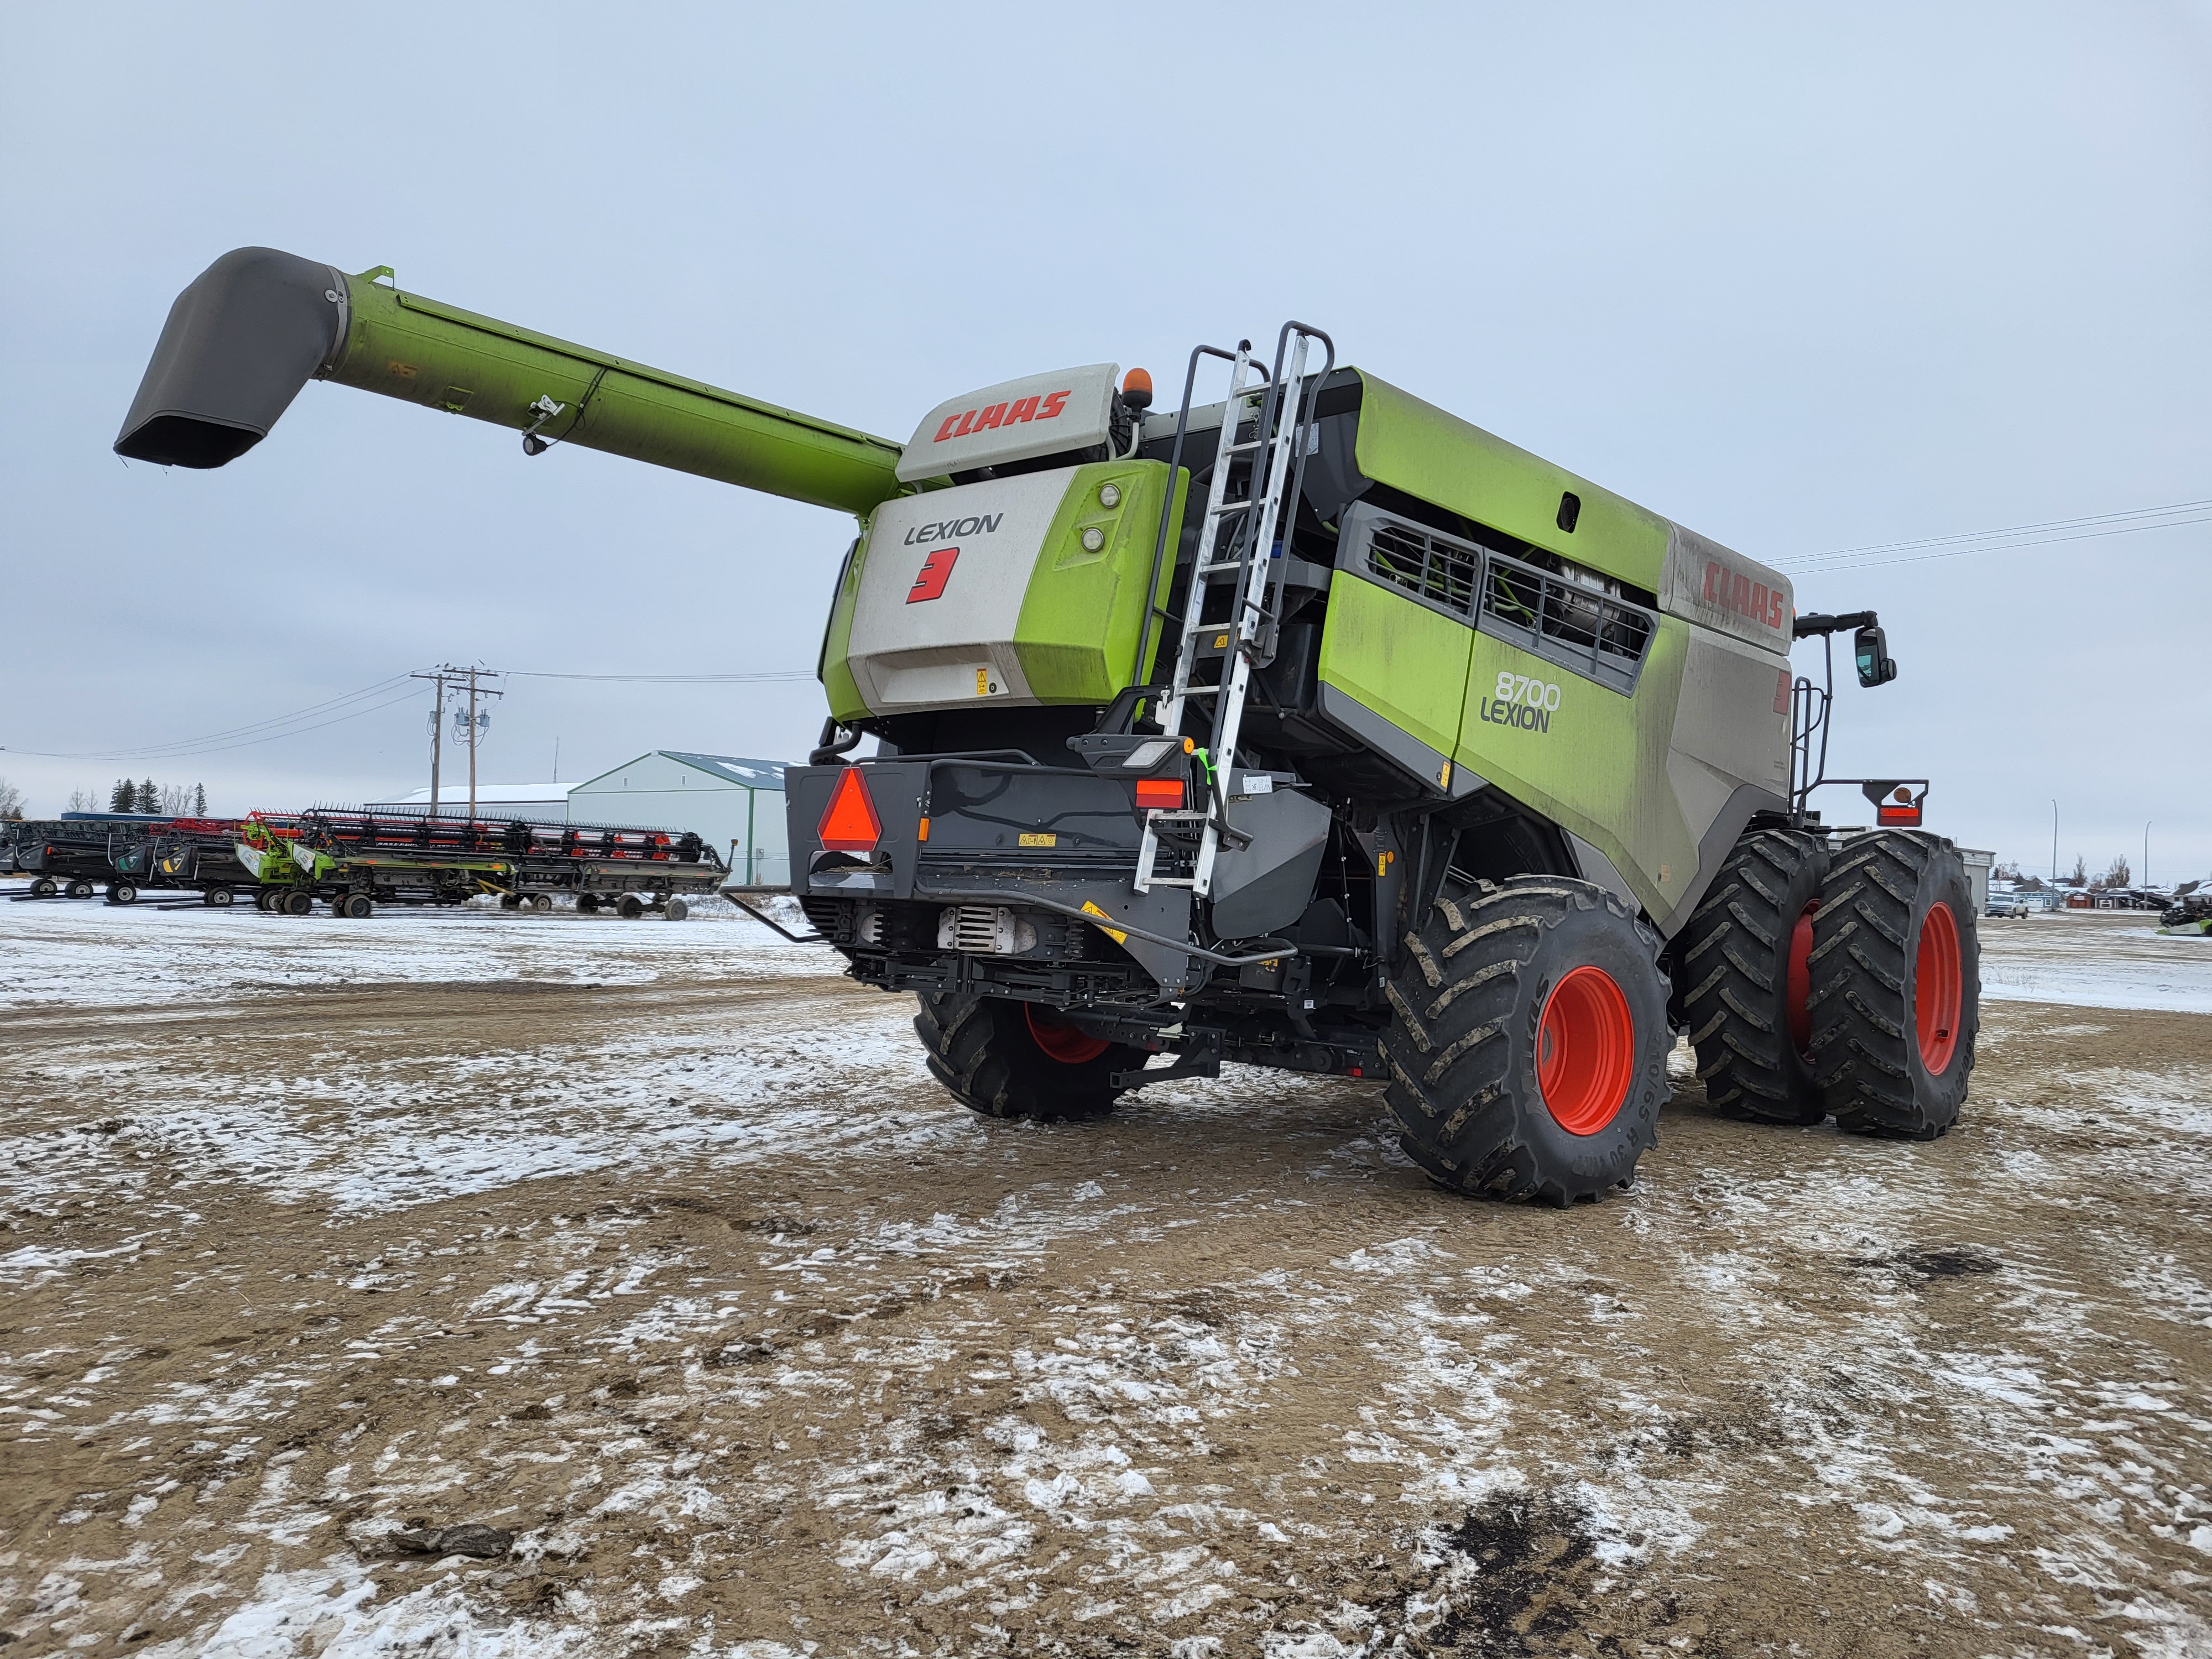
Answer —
849 824
1164 792
1903 816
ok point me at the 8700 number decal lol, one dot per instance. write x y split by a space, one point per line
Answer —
1522 702
1519 688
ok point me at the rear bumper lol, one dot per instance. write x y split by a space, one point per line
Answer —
1055 847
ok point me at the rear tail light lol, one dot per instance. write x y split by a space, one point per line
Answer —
1165 793
849 823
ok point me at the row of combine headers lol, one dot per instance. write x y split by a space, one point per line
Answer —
351 861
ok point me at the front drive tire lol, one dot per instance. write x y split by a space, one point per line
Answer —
1746 956
1528 1056
1897 987
1013 1060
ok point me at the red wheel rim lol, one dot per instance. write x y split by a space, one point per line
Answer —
1800 981
1585 1051
1937 989
1066 1043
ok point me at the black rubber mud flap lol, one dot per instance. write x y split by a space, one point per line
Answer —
1015 1059
1897 987
1527 1059
1746 958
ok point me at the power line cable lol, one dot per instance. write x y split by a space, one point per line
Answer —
766 676
2087 528
1994 547
178 753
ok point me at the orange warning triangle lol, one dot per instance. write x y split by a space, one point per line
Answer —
850 824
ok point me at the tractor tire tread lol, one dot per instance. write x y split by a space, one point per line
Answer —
1865 1042
1746 1050
1449 1078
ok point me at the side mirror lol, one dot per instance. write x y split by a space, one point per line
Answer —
1871 648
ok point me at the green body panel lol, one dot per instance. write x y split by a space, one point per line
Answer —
1403 660
1433 454
846 704
1596 765
1077 638
422 352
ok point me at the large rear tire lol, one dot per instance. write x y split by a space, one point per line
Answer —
1013 1060
1897 987
1527 1059
1746 954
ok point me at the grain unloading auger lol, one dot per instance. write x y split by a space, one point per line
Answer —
1316 728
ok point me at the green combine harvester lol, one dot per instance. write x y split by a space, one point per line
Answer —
1312 728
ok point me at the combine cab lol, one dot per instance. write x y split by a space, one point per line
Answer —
1314 728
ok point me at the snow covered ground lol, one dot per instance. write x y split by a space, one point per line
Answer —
88 952
654 1245
2086 959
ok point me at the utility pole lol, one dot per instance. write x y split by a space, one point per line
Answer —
472 745
437 677
443 675
2146 869
2054 843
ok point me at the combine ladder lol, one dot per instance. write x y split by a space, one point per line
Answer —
1236 542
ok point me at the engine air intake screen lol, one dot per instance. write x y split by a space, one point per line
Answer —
1574 621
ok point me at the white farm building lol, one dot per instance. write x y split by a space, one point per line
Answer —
736 806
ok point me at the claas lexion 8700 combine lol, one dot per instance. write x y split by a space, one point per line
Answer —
1312 728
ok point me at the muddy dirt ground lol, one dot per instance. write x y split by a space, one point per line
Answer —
653 1247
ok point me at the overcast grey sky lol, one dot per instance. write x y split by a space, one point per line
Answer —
1800 279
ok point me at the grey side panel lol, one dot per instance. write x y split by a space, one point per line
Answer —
1717 587
1720 837
1267 885
251 330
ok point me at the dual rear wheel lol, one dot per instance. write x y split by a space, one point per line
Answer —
1844 984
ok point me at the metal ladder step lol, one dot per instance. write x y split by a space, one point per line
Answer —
1284 417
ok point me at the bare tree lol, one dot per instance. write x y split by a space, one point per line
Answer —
2080 875
175 799
2116 874
11 800
84 800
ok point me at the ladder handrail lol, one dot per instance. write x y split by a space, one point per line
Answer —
1167 500
1275 476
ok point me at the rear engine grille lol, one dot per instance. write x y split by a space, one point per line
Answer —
1583 629
984 930
1442 572
1580 624
832 918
